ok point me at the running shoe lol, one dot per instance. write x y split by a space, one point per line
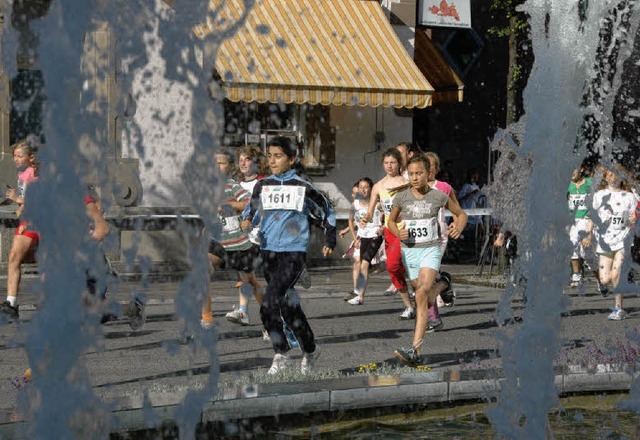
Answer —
356 301
349 296
435 326
408 355
409 313
617 314
237 316
576 280
108 317
280 363
309 360
136 313
390 291
304 279
604 290
206 324
448 298
9 312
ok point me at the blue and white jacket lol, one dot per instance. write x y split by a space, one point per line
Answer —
287 230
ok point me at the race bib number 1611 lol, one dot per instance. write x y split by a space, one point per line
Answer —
283 197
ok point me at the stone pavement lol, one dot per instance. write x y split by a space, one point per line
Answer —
165 361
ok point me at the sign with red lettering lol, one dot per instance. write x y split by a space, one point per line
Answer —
446 13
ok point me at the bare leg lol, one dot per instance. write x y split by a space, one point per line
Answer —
207 311
425 296
250 278
363 278
356 272
616 269
406 299
20 249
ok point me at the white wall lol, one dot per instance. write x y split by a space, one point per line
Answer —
356 152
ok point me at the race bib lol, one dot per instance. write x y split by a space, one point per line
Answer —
230 224
387 204
359 213
422 231
618 222
283 197
577 202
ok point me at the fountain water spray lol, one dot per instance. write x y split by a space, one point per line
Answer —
565 38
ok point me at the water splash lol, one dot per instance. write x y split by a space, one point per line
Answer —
566 37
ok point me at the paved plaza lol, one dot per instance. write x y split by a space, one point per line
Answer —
165 360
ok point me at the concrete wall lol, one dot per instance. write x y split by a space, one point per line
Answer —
357 153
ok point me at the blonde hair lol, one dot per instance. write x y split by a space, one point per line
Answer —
29 147
436 159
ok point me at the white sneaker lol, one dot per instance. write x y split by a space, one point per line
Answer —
237 316
356 301
206 325
409 313
617 314
280 363
309 361
265 336
576 280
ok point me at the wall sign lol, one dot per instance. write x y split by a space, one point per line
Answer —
446 13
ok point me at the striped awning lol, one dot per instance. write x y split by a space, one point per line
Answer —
330 52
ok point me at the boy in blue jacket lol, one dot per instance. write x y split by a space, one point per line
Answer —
281 205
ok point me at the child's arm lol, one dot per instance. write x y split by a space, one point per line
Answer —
352 227
100 225
459 219
12 194
249 213
375 195
403 233
328 217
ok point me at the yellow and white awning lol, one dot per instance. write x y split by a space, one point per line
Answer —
330 52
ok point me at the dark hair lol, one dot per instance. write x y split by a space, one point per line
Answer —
365 179
422 159
392 152
285 144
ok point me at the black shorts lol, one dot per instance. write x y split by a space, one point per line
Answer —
242 261
369 247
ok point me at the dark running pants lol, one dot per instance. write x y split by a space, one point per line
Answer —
280 301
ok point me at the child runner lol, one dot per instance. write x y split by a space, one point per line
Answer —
233 249
580 231
383 192
251 167
443 279
367 240
100 269
419 232
281 205
25 241
614 209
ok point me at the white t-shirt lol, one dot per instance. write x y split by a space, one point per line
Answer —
360 208
614 210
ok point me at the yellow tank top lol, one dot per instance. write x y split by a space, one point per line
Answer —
386 200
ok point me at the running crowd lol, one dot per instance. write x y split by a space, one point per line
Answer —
264 220
605 204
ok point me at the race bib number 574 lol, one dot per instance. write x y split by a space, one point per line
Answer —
283 197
